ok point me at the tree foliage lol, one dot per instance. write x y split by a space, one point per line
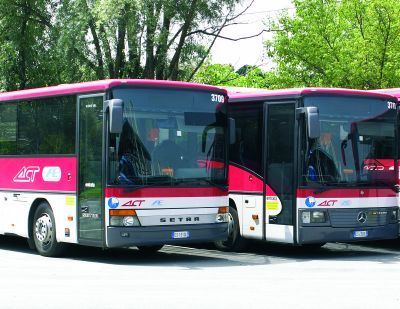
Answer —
25 41
58 41
348 43
225 75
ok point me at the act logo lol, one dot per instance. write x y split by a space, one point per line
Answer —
328 203
310 202
134 203
27 174
113 202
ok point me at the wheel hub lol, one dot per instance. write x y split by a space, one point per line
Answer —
43 228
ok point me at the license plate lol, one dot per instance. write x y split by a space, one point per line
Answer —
360 234
182 234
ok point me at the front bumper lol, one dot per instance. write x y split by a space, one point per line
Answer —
322 234
156 235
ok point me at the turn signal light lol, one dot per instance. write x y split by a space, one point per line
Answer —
223 210
122 212
255 217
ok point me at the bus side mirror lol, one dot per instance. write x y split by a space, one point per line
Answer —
312 118
232 131
116 108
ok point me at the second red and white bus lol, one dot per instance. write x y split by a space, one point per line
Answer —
306 167
114 163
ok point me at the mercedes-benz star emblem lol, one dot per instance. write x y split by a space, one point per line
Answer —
362 217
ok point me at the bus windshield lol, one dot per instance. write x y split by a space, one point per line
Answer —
357 143
169 138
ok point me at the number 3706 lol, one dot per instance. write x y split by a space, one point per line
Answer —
217 98
391 105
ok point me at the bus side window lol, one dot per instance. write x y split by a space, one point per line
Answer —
247 150
8 128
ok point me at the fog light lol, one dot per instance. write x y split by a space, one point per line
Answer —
306 217
318 217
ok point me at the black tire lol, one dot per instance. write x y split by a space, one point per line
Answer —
44 232
150 249
235 242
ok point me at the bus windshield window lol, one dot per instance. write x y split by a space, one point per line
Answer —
169 137
356 145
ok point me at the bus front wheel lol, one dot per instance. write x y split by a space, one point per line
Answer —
44 232
235 242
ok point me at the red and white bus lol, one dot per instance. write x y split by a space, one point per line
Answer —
114 163
311 166
396 93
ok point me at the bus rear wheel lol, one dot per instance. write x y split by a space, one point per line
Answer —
44 232
150 249
235 242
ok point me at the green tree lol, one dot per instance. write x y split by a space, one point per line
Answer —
225 75
348 43
25 44
163 39
46 42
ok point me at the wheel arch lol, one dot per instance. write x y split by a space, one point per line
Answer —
232 204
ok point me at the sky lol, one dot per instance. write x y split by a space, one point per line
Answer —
249 51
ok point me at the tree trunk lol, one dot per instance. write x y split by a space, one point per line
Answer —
174 65
162 48
21 49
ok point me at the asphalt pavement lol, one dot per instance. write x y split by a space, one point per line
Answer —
363 275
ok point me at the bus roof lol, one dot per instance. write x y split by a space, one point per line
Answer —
390 91
101 85
241 94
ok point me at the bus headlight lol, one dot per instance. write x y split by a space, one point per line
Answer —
318 217
314 216
130 221
221 218
123 218
306 217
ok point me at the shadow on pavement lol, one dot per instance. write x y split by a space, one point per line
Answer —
169 256
205 255
379 251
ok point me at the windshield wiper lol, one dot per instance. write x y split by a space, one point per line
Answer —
135 182
322 189
371 184
222 187
393 186
138 183
317 186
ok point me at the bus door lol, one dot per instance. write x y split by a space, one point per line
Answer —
279 160
90 167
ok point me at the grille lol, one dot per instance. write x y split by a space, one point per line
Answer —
348 217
